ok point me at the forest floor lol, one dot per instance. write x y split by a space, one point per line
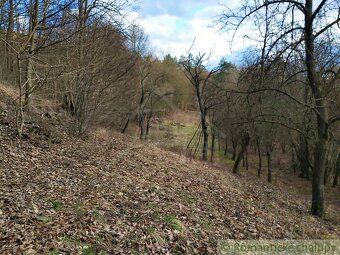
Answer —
112 194
175 131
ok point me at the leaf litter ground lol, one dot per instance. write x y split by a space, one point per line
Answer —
117 195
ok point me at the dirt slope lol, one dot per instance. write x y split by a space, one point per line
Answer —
120 196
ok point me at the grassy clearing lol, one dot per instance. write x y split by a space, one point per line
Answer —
176 131
174 134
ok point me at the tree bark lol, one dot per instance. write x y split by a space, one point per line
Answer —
81 86
318 200
246 159
204 124
19 115
226 146
318 196
234 145
212 146
148 122
126 124
205 139
34 15
269 162
141 107
259 154
141 126
337 172
245 143
9 38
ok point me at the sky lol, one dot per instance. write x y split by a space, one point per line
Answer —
173 25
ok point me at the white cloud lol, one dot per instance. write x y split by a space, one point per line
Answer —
174 33
172 26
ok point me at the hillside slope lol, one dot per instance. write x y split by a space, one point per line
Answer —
116 195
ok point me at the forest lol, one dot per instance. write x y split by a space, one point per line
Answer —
85 66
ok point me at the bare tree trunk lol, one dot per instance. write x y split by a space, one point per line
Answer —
141 104
126 124
234 153
259 154
34 15
19 116
245 143
80 111
226 146
81 80
204 124
331 162
205 139
293 160
318 178
141 125
9 38
318 192
269 162
246 159
234 145
148 122
327 173
46 4
199 79
337 172
212 146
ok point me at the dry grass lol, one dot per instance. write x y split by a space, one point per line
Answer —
183 117
9 91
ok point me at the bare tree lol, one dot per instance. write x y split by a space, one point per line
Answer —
199 77
290 35
337 173
244 145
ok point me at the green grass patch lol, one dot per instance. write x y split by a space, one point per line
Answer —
55 252
70 240
43 219
98 215
175 135
211 208
158 238
189 200
155 235
174 223
56 205
89 250
80 209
